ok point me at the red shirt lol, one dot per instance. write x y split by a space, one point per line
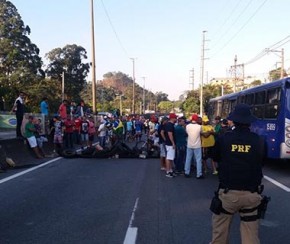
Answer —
78 123
62 111
69 126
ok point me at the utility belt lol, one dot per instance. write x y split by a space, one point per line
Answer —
259 189
216 207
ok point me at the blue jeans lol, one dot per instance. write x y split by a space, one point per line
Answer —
197 154
180 157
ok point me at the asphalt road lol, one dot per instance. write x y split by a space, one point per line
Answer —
123 201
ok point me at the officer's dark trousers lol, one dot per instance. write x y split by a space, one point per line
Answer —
19 119
232 202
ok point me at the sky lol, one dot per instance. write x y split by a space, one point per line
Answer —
165 37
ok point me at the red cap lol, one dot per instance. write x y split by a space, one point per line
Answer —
172 116
194 117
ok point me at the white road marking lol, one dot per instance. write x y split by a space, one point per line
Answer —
131 234
283 187
28 170
34 168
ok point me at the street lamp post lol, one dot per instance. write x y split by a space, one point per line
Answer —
62 86
144 105
93 58
133 93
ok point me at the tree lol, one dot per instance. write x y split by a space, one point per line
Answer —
70 61
165 106
160 96
256 83
276 74
19 57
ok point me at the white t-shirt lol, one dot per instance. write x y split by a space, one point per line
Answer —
102 130
193 131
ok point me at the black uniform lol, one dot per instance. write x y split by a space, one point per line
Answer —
240 155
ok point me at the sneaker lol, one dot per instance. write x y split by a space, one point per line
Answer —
187 175
162 169
169 175
177 172
200 177
215 173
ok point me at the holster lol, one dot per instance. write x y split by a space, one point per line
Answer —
216 204
262 208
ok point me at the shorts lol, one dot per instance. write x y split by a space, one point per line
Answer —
170 152
32 141
85 137
207 152
57 139
162 150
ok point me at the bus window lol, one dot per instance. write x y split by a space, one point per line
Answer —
272 103
258 111
241 99
271 111
273 96
260 98
249 99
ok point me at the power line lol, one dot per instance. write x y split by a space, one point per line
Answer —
226 19
235 21
267 50
242 27
114 30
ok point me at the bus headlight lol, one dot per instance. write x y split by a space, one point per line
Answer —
287 128
288 135
287 142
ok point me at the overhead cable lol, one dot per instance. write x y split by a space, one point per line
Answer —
242 27
114 30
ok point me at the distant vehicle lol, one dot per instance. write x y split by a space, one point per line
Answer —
108 114
271 105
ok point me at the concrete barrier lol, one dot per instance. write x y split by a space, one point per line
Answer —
22 154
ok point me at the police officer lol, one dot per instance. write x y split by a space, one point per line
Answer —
239 154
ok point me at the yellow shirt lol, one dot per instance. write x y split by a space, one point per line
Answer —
207 141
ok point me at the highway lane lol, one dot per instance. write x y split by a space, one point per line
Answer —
118 200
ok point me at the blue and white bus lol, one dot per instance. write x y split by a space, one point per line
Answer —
271 105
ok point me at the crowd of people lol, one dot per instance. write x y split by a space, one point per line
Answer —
185 144
227 147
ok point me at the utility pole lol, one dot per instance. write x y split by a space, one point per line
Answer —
235 79
133 93
282 64
93 58
237 72
282 60
191 78
62 87
202 72
144 105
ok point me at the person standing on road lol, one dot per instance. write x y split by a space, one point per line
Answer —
18 108
44 107
162 139
170 144
181 141
193 131
62 110
239 154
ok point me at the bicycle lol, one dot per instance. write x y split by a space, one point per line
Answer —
147 148
129 137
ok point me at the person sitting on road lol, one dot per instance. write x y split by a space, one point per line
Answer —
29 134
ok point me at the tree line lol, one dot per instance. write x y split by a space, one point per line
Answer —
22 69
